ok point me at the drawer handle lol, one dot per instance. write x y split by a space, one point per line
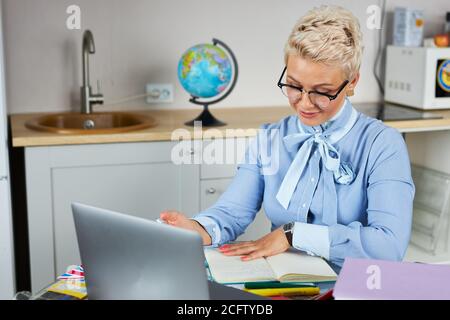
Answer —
191 151
211 190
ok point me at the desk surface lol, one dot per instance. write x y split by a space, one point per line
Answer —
216 292
237 118
221 292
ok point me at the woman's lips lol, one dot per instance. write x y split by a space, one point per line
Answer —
309 114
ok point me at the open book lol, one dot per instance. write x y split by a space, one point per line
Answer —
289 266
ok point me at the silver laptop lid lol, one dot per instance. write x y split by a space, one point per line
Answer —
126 257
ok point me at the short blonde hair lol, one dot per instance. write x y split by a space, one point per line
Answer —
330 35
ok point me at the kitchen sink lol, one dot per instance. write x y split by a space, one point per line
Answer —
93 123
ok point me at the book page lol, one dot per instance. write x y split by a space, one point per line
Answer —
299 263
231 269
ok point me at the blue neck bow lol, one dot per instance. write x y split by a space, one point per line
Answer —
335 170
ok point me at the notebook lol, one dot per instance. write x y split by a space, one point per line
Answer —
290 266
389 280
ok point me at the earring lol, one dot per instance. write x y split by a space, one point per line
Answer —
350 92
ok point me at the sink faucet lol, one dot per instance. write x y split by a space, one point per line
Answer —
87 98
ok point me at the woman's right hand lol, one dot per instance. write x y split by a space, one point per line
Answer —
177 219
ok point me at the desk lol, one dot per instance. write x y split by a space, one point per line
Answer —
221 292
216 292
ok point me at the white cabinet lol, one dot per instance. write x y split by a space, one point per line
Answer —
135 178
211 190
139 179
216 177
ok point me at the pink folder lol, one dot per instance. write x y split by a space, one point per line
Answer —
388 280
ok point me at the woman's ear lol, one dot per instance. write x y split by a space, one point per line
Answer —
351 86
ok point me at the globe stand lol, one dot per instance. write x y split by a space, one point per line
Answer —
207 119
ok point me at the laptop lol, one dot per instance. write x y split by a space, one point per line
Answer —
126 257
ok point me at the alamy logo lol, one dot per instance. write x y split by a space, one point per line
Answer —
374 280
213 146
374 19
73 21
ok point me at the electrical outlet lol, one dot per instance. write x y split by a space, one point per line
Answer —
159 92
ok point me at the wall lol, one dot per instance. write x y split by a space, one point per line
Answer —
141 41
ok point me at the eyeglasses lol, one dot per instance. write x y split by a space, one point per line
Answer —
319 99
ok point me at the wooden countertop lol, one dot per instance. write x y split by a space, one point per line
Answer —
170 120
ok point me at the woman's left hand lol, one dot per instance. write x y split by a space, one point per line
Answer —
269 245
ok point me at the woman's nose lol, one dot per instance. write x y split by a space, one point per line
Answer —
305 103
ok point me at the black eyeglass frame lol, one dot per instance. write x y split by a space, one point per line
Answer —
329 96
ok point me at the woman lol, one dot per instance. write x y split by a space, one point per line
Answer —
343 187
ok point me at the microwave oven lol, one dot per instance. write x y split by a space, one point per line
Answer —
418 77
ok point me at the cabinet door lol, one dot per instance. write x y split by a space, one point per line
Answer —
137 179
221 156
211 190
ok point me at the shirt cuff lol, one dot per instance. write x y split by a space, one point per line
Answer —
312 238
211 227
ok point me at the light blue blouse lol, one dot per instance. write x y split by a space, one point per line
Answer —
372 209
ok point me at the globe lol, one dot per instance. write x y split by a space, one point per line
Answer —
205 71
